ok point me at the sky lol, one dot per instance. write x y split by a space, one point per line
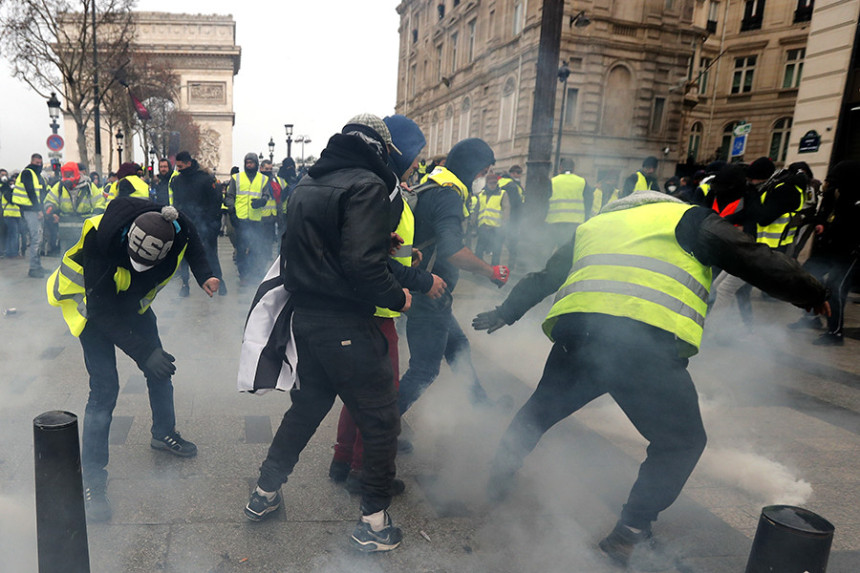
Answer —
313 64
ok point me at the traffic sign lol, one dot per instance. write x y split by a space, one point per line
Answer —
55 142
742 129
739 144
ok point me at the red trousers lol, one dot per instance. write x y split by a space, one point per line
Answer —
349 447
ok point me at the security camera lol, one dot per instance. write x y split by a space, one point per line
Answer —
666 151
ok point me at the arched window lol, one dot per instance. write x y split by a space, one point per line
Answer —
448 131
726 143
779 139
434 133
465 119
506 110
618 101
694 142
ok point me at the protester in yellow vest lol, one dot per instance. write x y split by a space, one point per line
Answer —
643 179
128 183
247 195
104 287
571 199
11 242
605 192
493 213
510 183
70 201
632 290
27 194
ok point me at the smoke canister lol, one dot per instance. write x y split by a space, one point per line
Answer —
9 311
790 540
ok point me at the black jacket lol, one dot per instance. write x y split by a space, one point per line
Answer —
713 241
195 195
334 253
105 249
162 191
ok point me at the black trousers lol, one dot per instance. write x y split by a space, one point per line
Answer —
342 355
650 384
490 241
209 238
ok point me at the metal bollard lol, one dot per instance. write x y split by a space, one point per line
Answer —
790 540
61 523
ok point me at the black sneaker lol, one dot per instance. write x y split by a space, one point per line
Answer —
366 539
805 322
184 291
637 550
97 504
37 273
338 471
829 339
174 444
353 484
260 507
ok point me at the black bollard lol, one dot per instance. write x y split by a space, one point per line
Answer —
790 540
61 523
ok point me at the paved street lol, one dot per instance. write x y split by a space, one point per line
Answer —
783 419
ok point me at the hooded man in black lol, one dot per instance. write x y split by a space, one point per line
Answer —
334 263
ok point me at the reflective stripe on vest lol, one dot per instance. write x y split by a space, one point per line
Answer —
141 189
490 209
403 255
628 263
65 286
247 191
19 192
566 204
777 233
89 199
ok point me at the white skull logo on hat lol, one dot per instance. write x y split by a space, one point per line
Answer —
147 246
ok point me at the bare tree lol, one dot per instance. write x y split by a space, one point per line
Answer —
50 46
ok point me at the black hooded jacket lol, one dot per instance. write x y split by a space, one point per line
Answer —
195 195
334 253
105 249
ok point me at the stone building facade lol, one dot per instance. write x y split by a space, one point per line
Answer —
467 69
202 52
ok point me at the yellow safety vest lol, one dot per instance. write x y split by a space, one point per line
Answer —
65 286
628 263
490 209
247 191
597 203
403 255
10 210
776 234
61 198
705 185
641 183
503 182
566 204
270 209
19 192
441 176
141 189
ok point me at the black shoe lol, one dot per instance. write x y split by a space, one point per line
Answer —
184 291
260 507
365 539
829 339
353 485
97 504
404 446
637 550
222 289
37 273
806 322
174 444
338 471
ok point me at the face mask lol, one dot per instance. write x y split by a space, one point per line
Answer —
4 179
671 188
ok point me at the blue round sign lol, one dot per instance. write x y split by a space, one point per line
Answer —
55 142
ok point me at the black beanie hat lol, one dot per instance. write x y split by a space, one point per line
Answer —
468 158
762 168
150 237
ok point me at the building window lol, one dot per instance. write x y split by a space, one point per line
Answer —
726 143
434 133
465 119
518 18
456 3
506 110
753 15
570 105
415 36
472 27
804 11
713 16
448 132
704 74
441 9
455 37
694 142
742 79
670 5
779 139
439 63
793 68
412 80
657 114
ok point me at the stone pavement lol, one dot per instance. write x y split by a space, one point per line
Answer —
783 419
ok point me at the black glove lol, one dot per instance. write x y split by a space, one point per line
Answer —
160 364
490 321
259 203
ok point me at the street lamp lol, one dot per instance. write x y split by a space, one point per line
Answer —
119 138
580 20
54 111
271 149
260 156
288 127
563 74
152 156
303 139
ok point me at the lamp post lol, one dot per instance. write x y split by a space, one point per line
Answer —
271 149
563 74
288 127
260 156
54 112
119 138
97 131
303 139
152 155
